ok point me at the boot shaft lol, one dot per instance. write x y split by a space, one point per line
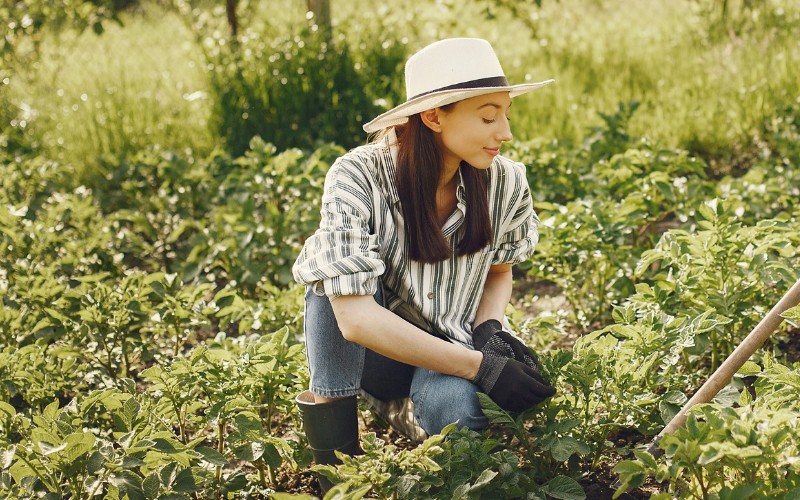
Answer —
329 427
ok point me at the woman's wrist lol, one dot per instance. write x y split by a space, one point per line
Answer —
474 364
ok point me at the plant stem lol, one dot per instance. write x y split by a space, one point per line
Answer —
262 479
110 364
220 444
50 487
126 363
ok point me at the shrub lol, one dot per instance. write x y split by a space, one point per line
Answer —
298 90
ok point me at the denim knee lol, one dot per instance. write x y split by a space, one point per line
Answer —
440 400
334 363
339 367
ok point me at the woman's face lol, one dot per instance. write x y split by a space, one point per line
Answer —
473 130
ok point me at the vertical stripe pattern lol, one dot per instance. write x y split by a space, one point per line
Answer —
361 240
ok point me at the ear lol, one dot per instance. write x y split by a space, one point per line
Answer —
431 119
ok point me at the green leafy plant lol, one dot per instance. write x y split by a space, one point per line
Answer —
724 452
57 452
263 212
242 390
296 89
725 266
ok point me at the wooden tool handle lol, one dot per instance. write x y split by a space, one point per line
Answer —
731 365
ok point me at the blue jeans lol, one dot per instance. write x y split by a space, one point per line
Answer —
339 368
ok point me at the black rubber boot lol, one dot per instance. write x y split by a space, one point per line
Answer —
329 427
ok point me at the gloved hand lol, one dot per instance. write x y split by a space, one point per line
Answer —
513 385
491 333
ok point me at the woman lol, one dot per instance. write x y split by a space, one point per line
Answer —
419 231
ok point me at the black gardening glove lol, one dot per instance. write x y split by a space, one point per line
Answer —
514 386
490 333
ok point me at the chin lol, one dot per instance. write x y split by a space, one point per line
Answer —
482 165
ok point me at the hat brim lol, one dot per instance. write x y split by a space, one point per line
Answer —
399 114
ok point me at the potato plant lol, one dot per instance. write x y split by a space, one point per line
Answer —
150 341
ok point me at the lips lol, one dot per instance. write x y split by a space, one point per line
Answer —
492 151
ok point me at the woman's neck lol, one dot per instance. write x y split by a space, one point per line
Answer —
446 196
449 175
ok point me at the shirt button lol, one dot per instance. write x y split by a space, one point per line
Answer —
430 295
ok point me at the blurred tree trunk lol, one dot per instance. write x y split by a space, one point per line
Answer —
322 15
230 9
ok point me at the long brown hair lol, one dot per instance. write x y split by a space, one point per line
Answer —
419 167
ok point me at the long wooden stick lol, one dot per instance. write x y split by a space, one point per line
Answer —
731 365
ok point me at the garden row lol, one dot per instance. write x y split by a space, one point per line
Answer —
150 336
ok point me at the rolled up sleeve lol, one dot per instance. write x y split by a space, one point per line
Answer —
343 256
517 243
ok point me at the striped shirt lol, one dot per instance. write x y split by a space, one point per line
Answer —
361 242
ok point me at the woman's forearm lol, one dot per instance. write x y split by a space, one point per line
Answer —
365 322
496 294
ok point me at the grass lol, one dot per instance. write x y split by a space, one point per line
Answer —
703 84
98 100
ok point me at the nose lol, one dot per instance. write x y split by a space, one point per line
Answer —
504 132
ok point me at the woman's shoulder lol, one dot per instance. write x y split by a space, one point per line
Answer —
508 170
365 158
362 166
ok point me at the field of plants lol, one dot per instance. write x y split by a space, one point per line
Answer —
159 174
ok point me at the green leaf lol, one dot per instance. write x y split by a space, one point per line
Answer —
564 488
185 482
272 457
248 424
564 447
212 456
20 471
151 486
749 368
6 410
78 444
646 458
130 409
708 210
629 467
494 413
793 494
792 314
250 452
342 490
739 492
727 397
484 479
168 474
128 483
7 456
49 449
51 411
168 445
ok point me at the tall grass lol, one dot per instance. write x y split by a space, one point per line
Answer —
96 100
704 83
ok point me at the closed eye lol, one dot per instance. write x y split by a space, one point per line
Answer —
488 121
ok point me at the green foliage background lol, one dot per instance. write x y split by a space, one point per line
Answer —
158 177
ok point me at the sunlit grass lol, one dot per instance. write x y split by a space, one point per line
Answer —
94 99
702 85
697 91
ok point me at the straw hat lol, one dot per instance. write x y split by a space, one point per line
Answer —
448 71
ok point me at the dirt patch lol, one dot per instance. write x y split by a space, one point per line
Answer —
790 346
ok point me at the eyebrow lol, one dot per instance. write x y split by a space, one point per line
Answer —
494 105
